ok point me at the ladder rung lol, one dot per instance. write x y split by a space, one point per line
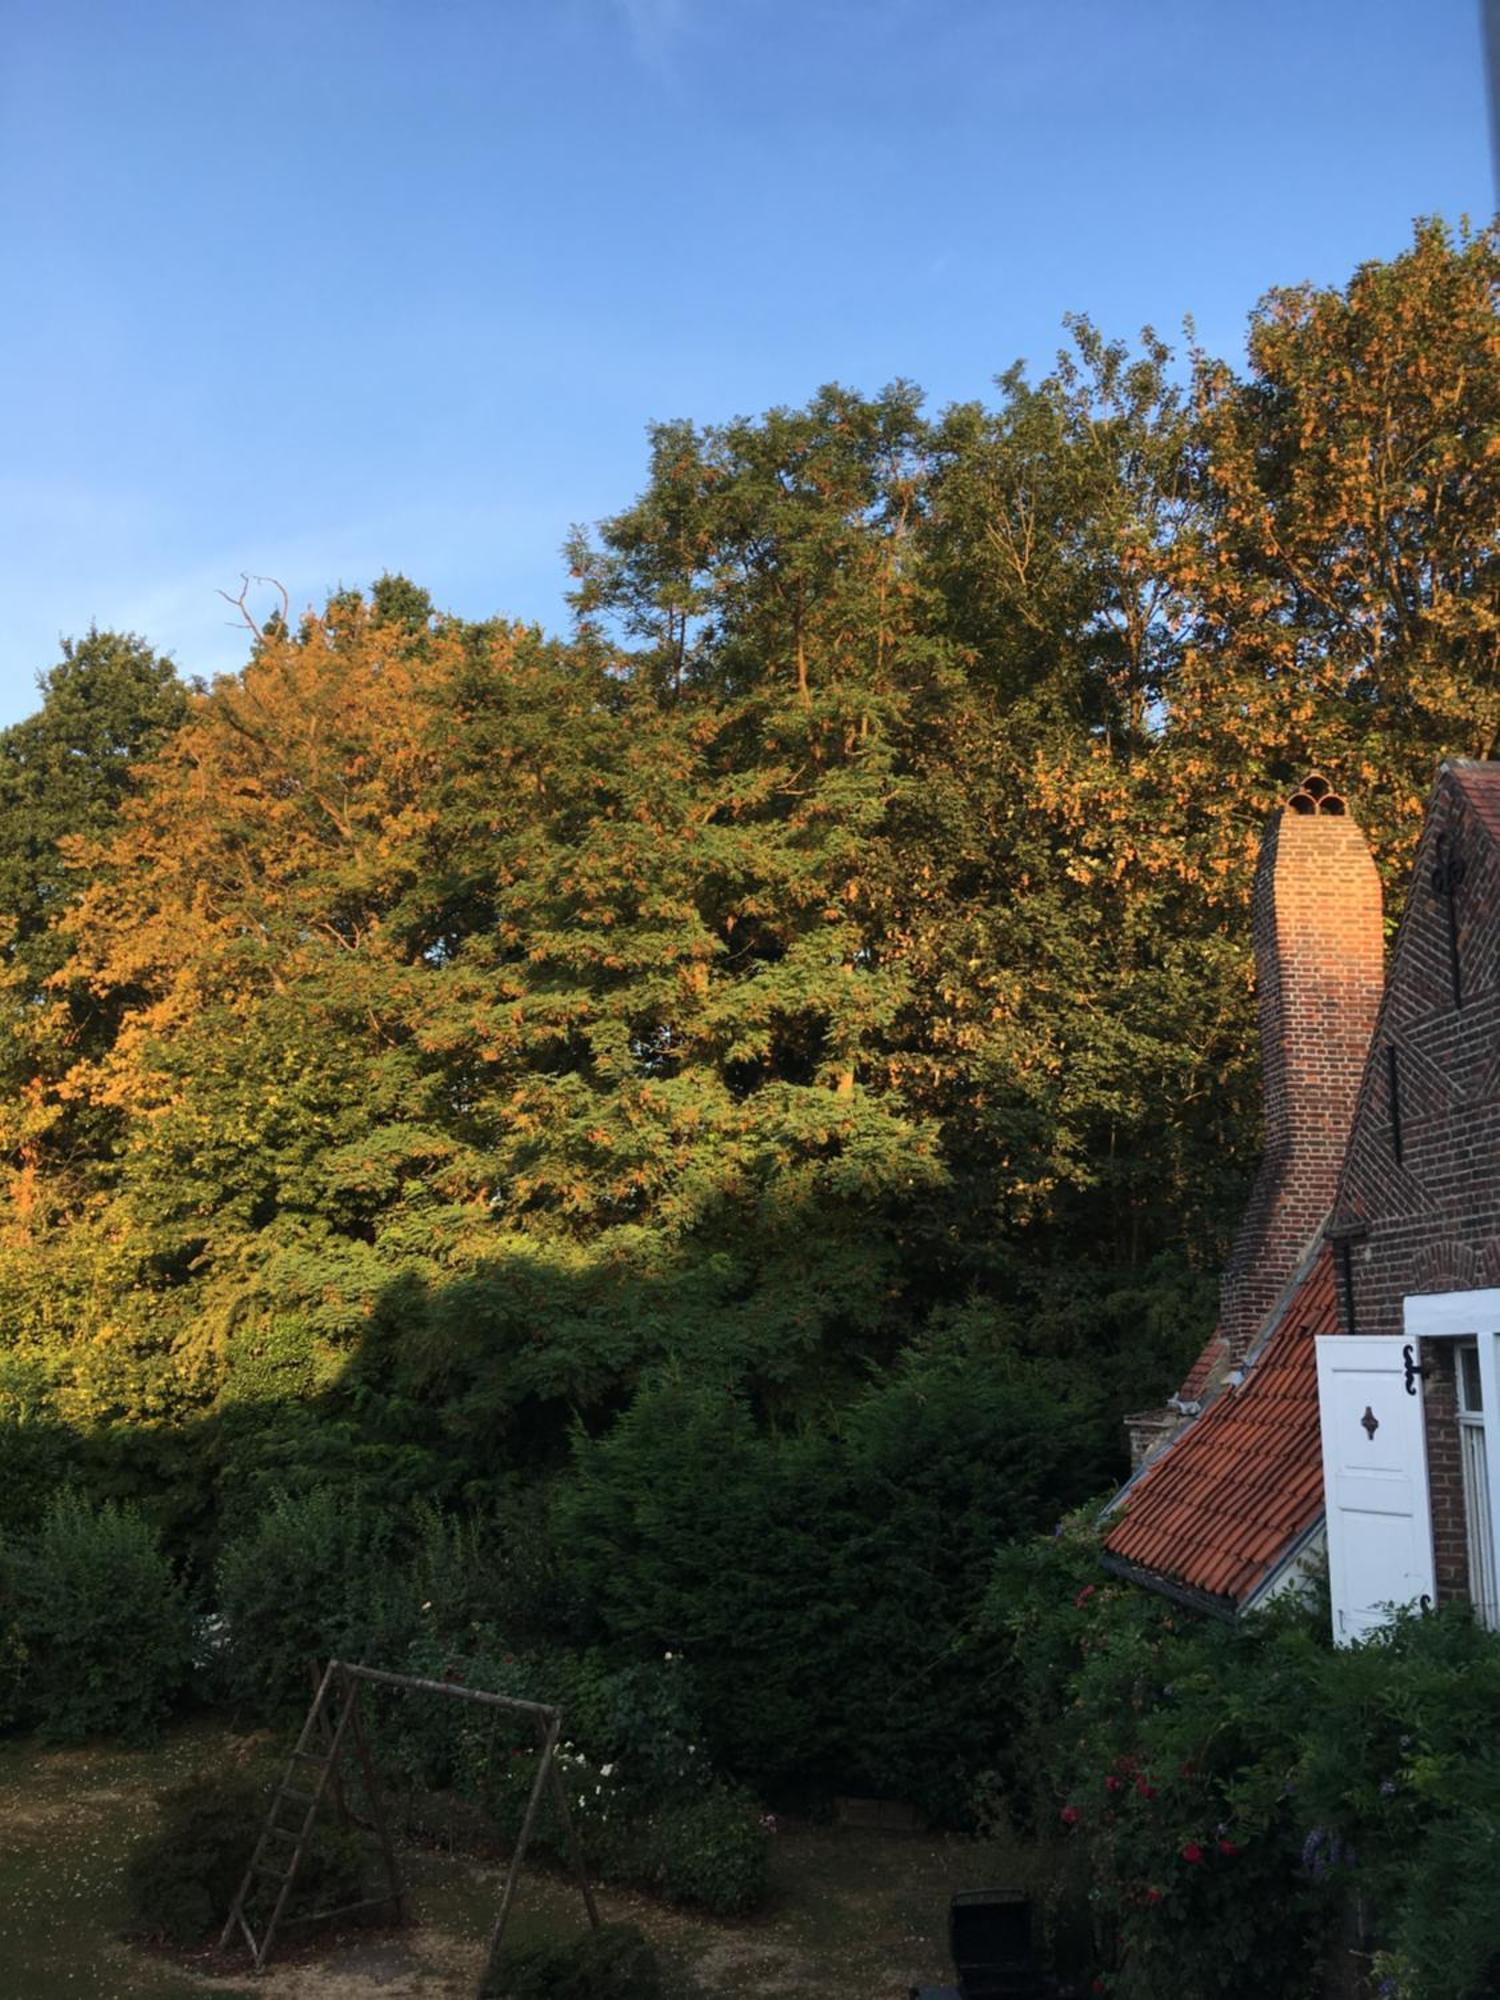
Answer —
301 1798
284 1832
312 1756
268 1868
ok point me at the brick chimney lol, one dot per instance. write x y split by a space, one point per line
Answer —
1320 970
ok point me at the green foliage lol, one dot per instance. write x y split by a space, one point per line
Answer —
690 1095
181 1879
614 1962
313 1580
712 1853
825 1586
1236 1790
93 1627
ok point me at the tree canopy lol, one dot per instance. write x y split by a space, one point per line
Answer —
832 951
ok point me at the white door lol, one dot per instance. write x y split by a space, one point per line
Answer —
1374 1481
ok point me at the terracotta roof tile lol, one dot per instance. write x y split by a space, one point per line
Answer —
1480 785
1198 1378
1228 1499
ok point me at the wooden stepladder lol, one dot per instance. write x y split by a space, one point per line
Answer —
311 1775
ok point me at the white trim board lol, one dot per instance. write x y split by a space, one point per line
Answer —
1445 1315
1476 1315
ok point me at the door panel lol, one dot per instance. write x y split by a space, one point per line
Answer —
1374 1482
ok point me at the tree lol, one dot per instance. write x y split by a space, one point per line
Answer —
1347 564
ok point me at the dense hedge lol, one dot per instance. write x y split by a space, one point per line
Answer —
1246 1796
95 1635
825 1585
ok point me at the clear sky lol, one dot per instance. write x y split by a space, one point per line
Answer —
318 288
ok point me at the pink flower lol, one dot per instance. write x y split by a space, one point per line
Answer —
1112 1783
1192 1853
1070 1815
1228 1847
1083 1597
1153 1895
1146 1791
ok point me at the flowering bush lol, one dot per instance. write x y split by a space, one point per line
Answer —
648 1807
1228 1789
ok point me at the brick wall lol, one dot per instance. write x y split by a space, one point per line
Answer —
1432 1216
1319 959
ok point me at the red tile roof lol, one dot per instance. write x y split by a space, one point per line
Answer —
1242 1484
1480 785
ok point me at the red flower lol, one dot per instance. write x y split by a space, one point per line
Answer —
1192 1853
1083 1596
1228 1847
1097 1985
1153 1895
1112 1783
1146 1791
1070 1815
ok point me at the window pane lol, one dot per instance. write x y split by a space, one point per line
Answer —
1470 1395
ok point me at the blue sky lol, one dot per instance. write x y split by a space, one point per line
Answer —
316 288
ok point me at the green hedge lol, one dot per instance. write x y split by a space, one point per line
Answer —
95 1635
826 1584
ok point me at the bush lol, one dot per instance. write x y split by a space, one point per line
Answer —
182 1880
826 1585
712 1853
95 1635
315 1578
1240 1794
614 1962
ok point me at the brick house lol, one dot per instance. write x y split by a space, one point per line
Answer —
1346 1401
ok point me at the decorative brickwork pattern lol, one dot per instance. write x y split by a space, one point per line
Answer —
1319 960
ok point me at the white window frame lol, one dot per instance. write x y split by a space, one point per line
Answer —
1465 1316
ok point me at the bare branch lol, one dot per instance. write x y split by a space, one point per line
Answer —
246 580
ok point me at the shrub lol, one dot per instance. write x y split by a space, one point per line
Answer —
95 1637
181 1881
614 1962
826 1585
1242 1793
315 1578
712 1853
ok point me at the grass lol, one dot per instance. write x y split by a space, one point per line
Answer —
851 1915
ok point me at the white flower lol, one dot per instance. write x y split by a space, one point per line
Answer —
666 1656
606 1770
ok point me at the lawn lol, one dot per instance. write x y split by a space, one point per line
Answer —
853 1915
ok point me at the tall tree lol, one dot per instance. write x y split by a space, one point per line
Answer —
1347 565
66 773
